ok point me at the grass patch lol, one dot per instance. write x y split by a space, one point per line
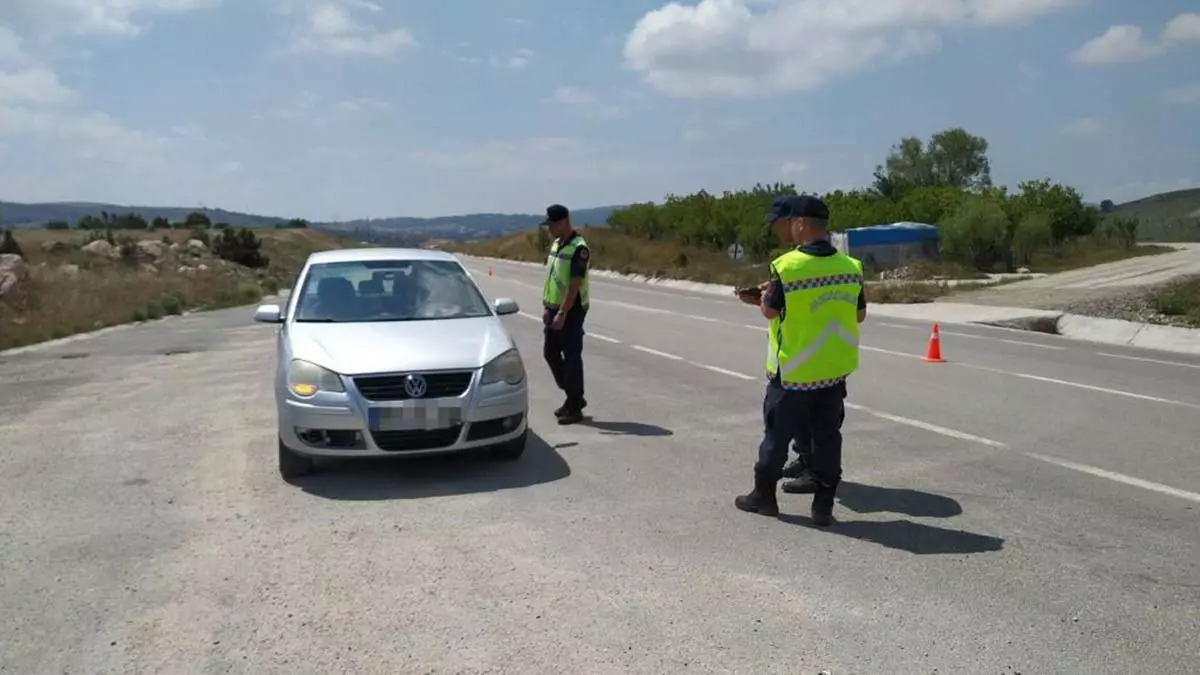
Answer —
1179 299
55 301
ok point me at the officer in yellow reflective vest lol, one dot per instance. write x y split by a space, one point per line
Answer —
814 304
565 305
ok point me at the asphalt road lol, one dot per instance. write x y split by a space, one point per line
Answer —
1032 506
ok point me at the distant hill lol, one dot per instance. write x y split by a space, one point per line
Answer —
400 229
1169 216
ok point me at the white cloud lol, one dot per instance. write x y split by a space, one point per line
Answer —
1127 43
793 168
329 27
82 17
517 21
1084 126
743 48
1183 28
1185 95
1118 44
518 60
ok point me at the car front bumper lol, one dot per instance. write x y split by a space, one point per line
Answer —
338 426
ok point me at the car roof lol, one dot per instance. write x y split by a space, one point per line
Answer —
363 254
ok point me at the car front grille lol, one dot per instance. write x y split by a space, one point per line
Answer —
419 439
391 387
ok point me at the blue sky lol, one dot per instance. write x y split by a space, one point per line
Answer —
337 109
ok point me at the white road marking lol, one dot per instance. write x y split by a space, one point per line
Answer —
1119 477
722 371
895 325
526 315
944 431
604 338
889 352
1028 344
655 352
1080 385
709 319
1146 360
638 308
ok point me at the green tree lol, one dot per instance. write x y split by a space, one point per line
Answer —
293 224
90 222
1069 216
160 223
58 225
196 219
1031 234
952 158
128 221
976 233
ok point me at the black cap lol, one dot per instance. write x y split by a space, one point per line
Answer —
796 206
555 213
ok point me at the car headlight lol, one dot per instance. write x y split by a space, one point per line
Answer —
306 379
507 368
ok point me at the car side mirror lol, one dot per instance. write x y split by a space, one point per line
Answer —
505 306
268 314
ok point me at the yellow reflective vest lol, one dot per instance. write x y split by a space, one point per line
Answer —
558 273
813 344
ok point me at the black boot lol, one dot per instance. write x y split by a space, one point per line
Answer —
567 407
794 468
802 484
822 505
760 500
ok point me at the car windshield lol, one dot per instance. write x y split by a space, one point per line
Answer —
388 290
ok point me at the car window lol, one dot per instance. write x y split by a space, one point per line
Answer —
388 290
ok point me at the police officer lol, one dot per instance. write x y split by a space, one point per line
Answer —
565 304
813 304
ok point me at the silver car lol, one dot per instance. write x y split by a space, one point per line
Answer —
388 352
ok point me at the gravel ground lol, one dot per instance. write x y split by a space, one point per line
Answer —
1126 304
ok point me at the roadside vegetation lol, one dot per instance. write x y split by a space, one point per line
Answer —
61 281
1179 301
1041 226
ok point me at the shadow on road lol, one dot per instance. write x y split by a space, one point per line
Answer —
420 477
626 428
905 535
861 498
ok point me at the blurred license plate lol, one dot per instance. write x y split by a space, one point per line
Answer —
426 415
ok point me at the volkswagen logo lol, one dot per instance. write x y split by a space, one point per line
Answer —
415 386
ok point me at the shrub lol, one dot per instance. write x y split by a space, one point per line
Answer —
975 233
241 247
9 245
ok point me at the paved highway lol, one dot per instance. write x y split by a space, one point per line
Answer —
1030 507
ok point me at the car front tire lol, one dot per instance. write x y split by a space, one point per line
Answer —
292 464
512 449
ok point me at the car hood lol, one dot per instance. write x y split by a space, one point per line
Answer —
384 347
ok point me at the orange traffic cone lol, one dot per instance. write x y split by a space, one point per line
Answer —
933 351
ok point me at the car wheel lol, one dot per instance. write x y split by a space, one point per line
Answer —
512 449
291 463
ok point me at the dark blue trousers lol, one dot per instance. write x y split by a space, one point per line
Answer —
786 414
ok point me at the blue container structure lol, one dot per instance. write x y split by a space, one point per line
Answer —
884 247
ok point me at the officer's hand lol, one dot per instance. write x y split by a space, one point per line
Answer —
559 321
750 298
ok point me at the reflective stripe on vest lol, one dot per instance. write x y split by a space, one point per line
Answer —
558 273
817 338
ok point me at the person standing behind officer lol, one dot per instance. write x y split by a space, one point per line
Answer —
565 304
813 304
